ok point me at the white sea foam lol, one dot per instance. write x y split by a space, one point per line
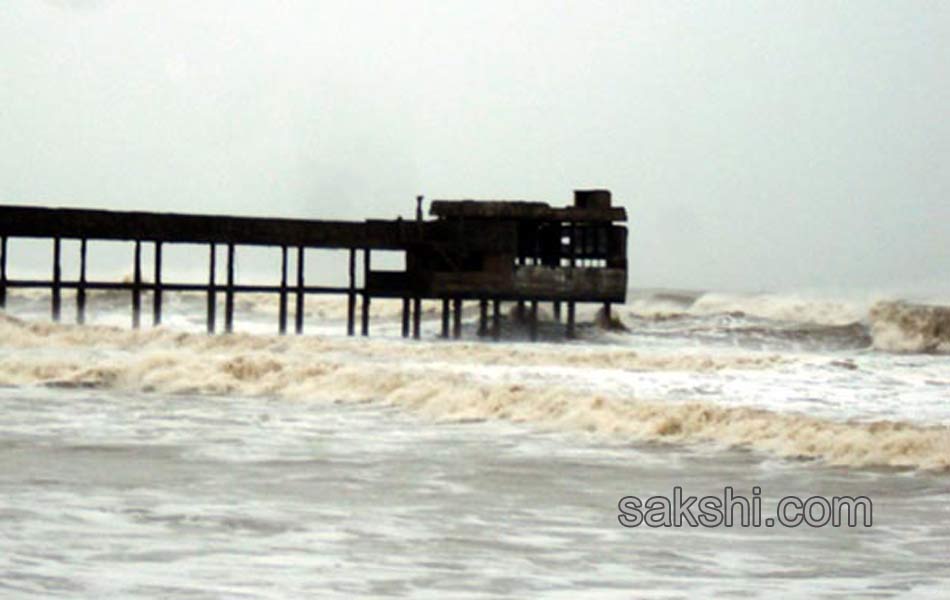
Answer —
408 375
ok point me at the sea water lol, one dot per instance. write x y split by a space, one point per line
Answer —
167 463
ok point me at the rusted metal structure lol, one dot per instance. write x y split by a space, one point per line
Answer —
487 251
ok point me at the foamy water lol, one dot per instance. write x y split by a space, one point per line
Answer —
389 467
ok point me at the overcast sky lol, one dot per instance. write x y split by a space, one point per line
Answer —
755 145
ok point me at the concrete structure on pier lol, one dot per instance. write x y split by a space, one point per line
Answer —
489 251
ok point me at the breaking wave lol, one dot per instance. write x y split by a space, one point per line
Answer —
753 320
773 307
891 326
348 371
905 327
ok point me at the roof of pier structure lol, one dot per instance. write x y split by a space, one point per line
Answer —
523 210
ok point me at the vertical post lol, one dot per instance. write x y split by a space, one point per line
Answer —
482 316
298 313
607 315
573 244
57 275
570 304
445 317
364 325
212 290
3 271
570 319
557 310
496 319
405 317
137 286
81 287
282 309
457 318
533 320
582 243
157 291
416 317
229 293
351 297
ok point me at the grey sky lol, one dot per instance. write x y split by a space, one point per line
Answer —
756 145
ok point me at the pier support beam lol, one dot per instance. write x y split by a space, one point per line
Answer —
607 315
571 333
212 291
282 302
533 320
229 293
157 290
557 310
299 308
405 317
445 317
56 301
416 317
351 296
482 317
457 318
81 287
496 319
137 287
3 272
364 324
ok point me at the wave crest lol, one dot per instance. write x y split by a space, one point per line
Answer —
344 371
906 327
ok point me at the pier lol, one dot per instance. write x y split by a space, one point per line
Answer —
481 251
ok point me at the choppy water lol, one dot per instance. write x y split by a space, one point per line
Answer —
163 463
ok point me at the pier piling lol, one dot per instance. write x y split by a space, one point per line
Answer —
457 318
533 320
351 296
496 319
571 333
229 293
81 285
212 298
56 300
482 316
137 286
416 317
157 290
3 272
299 308
445 317
282 302
405 317
364 315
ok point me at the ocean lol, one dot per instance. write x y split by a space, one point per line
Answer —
165 463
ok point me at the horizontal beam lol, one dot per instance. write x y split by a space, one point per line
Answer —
175 287
72 223
506 296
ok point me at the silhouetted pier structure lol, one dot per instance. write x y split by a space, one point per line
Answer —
485 251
